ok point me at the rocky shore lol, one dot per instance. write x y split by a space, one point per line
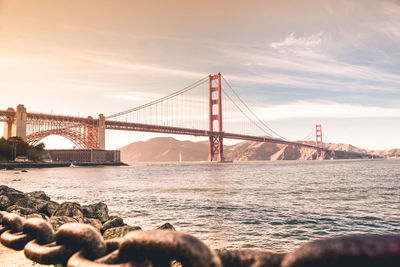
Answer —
38 205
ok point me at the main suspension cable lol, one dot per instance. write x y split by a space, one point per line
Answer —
248 108
252 121
188 88
309 135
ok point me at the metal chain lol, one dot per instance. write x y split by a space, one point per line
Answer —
76 244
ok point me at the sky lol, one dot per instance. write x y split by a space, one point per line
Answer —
295 63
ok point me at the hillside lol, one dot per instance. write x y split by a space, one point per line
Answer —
393 153
164 149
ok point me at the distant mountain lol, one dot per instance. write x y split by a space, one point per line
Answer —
164 149
393 153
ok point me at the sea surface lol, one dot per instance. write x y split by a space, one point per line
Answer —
268 205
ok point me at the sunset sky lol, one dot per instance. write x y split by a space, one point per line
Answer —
296 63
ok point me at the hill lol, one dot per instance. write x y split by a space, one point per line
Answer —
164 149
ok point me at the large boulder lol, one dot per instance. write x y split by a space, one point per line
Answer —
70 209
119 231
113 222
96 211
12 194
57 221
38 194
38 204
93 222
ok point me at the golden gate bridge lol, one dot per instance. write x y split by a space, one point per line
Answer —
209 108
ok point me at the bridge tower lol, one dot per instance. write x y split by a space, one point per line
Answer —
15 125
216 147
102 132
319 143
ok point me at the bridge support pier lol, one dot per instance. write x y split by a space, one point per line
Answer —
102 132
216 146
16 125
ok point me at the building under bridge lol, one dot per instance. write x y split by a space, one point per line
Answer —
85 155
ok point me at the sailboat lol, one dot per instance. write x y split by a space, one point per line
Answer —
180 157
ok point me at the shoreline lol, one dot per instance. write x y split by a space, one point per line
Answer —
31 165
37 165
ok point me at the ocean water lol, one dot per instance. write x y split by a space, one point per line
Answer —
267 205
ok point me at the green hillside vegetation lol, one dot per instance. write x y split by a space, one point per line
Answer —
15 146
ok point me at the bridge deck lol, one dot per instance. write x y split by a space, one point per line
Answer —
129 126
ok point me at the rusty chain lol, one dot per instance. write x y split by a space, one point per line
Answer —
76 244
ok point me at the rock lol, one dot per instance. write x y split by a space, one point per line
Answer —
36 215
93 222
96 211
113 222
70 209
119 231
12 194
20 210
4 188
57 221
38 204
166 226
51 207
4 202
38 194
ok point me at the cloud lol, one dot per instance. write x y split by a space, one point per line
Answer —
304 63
390 25
325 109
270 69
293 44
136 67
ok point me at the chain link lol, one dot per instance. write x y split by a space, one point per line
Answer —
76 244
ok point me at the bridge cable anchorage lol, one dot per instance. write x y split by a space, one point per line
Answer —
179 92
78 244
248 108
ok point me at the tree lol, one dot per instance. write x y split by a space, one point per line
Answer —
15 146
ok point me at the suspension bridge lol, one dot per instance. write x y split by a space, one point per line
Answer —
209 108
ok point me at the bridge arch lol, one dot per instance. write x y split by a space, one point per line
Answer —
76 137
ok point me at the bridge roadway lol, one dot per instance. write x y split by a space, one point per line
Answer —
139 127
129 126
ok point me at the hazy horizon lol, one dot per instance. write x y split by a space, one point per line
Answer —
296 63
